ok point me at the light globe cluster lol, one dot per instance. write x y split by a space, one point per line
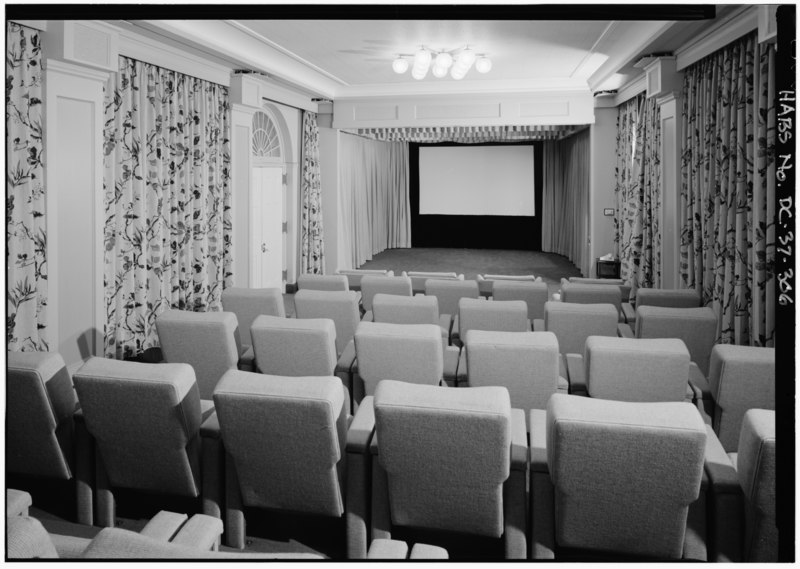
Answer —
456 62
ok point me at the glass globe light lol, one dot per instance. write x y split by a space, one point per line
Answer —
483 65
400 65
439 71
444 60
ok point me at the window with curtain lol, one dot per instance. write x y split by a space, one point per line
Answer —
167 200
26 228
637 220
565 199
374 201
728 188
311 234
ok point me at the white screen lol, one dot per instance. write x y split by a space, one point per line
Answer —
476 180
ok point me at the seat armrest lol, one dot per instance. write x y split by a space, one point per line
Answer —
387 549
538 325
519 440
699 382
17 502
726 503
247 359
451 364
345 362
721 471
538 437
200 532
576 374
446 323
164 526
463 373
424 551
629 312
367 316
210 427
624 331
362 428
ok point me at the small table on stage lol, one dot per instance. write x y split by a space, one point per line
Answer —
607 269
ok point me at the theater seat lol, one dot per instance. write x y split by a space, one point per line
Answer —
615 480
667 297
578 292
486 281
322 282
372 285
448 459
248 303
448 293
535 294
145 423
418 278
354 276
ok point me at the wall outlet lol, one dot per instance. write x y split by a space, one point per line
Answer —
608 211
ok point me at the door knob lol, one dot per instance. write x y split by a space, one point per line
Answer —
263 247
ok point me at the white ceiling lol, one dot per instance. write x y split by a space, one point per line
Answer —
340 58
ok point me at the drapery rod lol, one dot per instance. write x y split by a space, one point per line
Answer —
291 106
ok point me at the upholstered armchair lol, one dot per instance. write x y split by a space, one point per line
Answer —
615 480
447 459
354 276
419 309
631 369
535 294
286 446
41 429
624 289
740 378
322 282
145 426
404 352
448 293
418 278
372 285
525 363
486 282
207 341
577 292
667 297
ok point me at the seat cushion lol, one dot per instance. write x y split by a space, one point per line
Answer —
697 327
339 306
499 315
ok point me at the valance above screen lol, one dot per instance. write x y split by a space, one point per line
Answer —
469 134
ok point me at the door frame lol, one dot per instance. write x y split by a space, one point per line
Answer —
253 246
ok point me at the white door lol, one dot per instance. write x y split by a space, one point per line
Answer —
266 223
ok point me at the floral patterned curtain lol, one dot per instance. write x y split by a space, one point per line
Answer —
728 188
312 254
637 234
26 230
167 198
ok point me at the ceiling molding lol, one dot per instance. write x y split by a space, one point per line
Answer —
631 89
738 24
464 87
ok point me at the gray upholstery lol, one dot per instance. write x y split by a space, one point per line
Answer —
740 378
525 363
624 289
592 294
394 309
486 281
17 502
449 292
39 408
354 275
372 285
339 306
285 441
418 278
669 298
628 369
534 294
452 459
145 419
697 327
248 303
403 352
322 282
499 316
756 467
26 538
624 474
294 346
573 323
207 341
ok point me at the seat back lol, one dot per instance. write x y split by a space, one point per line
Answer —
668 297
449 292
247 303
446 453
740 378
354 275
40 403
591 294
756 469
486 281
294 346
322 282
525 363
394 309
624 473
498 315
697 327
207 341
146 421
339 306
286 437
372 285
404 352
533 293
418 278
631 369
573 323
624 289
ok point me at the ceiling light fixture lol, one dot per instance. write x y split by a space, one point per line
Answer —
457 62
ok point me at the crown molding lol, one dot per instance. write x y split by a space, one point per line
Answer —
631 89
738 24
75 70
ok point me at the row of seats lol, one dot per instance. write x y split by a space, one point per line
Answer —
588 477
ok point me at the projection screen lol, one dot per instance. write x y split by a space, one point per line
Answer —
476 180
